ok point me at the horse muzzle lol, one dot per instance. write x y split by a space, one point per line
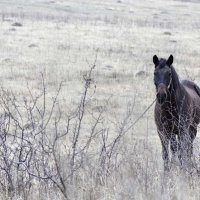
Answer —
161 94
161 98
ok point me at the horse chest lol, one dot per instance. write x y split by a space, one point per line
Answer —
169 119
169 115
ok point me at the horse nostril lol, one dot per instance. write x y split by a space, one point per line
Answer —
161 97
164 96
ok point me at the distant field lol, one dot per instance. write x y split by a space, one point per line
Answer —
61 39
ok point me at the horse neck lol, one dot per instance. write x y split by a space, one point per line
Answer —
175 85
176 89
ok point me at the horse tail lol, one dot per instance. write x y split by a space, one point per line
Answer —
197 89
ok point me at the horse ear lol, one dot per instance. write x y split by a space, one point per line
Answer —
155 60
170 60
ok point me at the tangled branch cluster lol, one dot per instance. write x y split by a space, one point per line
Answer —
42 144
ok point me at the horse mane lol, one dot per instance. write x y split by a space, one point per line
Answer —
175 79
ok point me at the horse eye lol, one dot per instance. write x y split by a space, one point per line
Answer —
169 74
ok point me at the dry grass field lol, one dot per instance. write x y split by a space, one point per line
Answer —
82 144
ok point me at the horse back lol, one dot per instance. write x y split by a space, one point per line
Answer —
192 89
194 93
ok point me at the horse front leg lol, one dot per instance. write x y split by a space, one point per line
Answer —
173 147
165 152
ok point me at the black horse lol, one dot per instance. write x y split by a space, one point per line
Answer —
177 112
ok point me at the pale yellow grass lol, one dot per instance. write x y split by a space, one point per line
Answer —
59 38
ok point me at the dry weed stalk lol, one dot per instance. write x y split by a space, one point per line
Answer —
40 142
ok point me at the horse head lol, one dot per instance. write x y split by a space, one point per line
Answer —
162 77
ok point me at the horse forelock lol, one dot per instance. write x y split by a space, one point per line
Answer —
162 62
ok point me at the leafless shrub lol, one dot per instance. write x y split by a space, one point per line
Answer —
42 144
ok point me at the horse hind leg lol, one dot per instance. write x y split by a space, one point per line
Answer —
193 133
185 147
